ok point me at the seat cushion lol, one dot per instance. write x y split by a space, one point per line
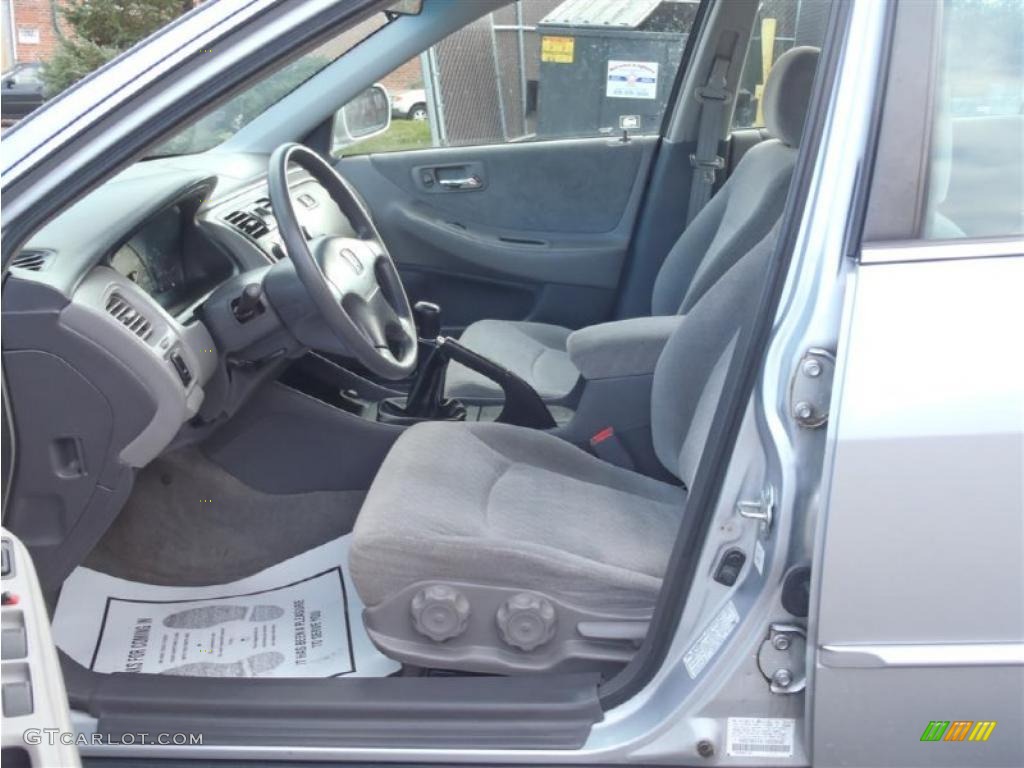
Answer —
536 352
497 505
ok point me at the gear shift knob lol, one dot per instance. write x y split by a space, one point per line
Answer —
428 320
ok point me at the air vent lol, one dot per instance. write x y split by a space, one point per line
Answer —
248 224
130 317
33 260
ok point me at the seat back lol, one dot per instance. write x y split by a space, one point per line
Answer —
750 202
690 373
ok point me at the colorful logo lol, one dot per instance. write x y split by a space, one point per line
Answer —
958 730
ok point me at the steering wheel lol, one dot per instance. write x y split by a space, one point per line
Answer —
352 281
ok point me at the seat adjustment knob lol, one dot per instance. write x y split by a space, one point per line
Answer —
527 621
440 612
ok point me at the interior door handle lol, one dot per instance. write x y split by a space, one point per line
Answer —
470 182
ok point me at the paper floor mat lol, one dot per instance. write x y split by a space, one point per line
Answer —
299 618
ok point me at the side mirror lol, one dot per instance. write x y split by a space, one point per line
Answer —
368 114
9 82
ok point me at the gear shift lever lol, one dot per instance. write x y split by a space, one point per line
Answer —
428 320
427 317
427 391
426 398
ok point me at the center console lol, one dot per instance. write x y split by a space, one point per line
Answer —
423 399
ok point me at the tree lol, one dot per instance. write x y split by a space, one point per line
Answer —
95 31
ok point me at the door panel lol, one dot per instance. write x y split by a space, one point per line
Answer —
535 231
35 703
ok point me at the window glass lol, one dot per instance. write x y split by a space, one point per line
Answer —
780 25
226 120
976 163
540 69
27 74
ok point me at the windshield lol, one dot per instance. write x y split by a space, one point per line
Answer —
221 124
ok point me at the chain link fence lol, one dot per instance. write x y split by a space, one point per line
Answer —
494 82
488 82
780 25
482 80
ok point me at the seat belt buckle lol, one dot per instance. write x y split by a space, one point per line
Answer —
606 445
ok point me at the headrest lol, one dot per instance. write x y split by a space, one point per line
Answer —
787 93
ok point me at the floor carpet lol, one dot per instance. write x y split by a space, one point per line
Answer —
190 523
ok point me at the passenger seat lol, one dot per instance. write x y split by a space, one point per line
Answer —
739 216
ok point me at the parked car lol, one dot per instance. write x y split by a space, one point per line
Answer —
21 91
693 444
410 105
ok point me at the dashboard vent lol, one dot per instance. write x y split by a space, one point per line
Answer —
128 316
247 223
33 260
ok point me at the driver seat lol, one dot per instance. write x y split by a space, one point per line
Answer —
495 548
740 214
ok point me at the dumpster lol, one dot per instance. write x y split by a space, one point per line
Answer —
608 64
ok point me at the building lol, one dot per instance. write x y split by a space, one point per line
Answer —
30 30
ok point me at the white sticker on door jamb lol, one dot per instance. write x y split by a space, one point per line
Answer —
759 556
711 639
759 737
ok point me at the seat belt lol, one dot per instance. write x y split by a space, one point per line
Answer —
714 96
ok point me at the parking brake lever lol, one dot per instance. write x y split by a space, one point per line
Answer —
523 406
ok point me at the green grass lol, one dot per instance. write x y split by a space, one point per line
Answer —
403 134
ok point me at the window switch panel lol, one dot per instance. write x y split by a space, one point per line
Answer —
13 643
17 698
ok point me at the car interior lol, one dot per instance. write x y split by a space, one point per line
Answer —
483 408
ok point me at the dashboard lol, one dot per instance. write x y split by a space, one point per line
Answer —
120 335
139 279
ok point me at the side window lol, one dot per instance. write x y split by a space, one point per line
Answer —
28 75
976 161
780 25
540 69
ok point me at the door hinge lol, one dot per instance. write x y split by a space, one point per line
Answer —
810 391
782 658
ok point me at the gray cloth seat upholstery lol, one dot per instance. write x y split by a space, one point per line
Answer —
471 523
535 352
491 501
738 216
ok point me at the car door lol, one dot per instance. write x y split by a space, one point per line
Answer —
919 573
36 720
516 198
